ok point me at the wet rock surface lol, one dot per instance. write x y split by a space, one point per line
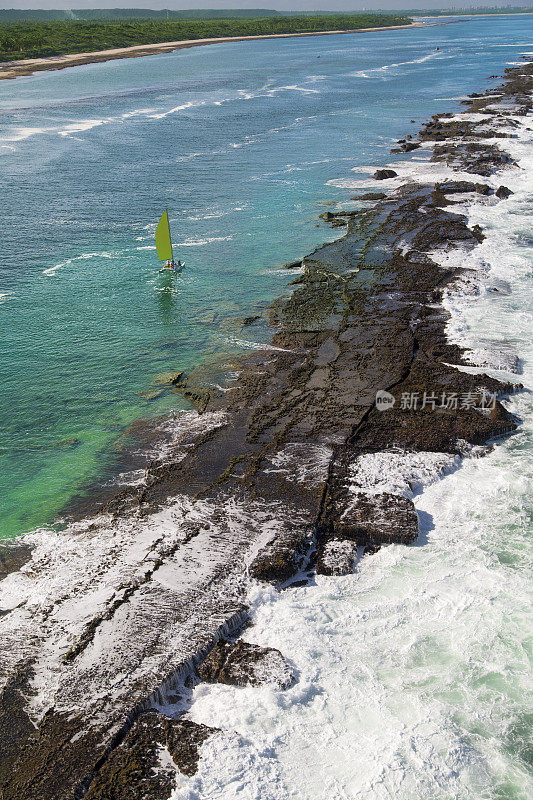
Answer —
132 602
144 764
12 558
460 187
383 174
370 196
242 664
503 192
370 519
406 147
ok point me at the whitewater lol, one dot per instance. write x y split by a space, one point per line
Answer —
414 673
246 144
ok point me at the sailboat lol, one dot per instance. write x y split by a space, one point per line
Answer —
163 244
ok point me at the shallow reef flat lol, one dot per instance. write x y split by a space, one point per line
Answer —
107 625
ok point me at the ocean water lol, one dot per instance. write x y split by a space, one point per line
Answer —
414 673
245 144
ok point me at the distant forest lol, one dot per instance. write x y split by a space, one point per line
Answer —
88 14
46 15
43 39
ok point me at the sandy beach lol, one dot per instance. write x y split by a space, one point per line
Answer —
15 69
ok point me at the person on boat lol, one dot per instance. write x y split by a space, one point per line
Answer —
171 264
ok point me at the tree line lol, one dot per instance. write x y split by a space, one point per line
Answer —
84 14
43 39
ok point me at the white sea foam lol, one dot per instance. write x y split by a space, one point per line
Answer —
398 472
79 569
245 344
178 430
302 463
82 257
182 560
139 112
294 88
81 126
413 672
182 107
407 685
188 157
369 73
201 242
239 95
20 134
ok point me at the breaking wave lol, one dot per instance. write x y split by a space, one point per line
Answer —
413 671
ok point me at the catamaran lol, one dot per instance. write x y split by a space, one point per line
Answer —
163 244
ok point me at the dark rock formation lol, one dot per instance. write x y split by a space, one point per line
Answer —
370 196
241 664
246 321
370 519
144 764
338 219
293 265
406 147
144 592
12 558
382 174
461 187
475 158
503 192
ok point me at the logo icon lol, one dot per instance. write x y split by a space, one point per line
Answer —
384 400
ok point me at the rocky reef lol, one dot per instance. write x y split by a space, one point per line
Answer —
242 664
108 625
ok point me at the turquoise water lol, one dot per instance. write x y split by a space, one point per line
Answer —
244 143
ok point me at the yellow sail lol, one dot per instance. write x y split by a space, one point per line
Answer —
162 238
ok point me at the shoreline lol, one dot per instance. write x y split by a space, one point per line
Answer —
10 70
473 16
151 586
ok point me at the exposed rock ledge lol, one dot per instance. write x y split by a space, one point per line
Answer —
242 664
104 627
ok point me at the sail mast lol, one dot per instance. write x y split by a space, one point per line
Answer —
169 236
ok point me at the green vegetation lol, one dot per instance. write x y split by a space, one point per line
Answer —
84 14
42 39
90 14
